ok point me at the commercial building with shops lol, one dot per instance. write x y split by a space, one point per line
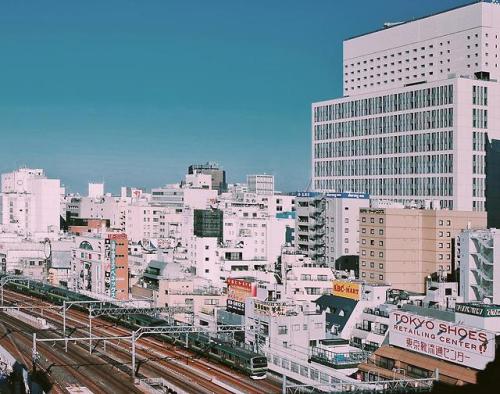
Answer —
452 346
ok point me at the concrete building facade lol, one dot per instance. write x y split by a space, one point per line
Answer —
327 224
418 101
402 247
100 264
31 203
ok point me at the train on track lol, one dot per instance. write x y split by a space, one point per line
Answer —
247 361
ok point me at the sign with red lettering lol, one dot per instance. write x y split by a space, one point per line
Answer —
346 289
237 291
467 346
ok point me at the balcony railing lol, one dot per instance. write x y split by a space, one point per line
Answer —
338 360
484 274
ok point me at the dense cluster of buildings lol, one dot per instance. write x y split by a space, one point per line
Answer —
388 269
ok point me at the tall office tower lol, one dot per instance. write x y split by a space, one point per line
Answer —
31 203
213 169
419 97
261 184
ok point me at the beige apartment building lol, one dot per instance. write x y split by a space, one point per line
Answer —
401 247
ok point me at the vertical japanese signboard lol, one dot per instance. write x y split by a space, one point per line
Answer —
110 268
112 273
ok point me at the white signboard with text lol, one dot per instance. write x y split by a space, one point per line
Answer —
467 346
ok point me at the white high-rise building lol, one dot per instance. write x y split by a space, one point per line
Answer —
419 101
31 203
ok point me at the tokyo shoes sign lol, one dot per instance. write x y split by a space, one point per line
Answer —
467 346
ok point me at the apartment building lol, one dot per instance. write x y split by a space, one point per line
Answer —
31 203
326 225
479 261
144 221
113 208
418 104
250 226
402 247
301 279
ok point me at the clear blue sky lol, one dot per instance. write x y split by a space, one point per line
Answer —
132 92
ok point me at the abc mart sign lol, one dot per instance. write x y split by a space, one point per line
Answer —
455 343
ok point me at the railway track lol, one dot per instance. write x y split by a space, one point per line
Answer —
158 358
119 359
74 367
10 344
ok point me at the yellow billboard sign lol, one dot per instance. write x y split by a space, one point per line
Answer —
346 289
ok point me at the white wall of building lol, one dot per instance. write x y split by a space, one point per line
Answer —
402 131
96 190
342 226
31 203
439 45
145 221
106 207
